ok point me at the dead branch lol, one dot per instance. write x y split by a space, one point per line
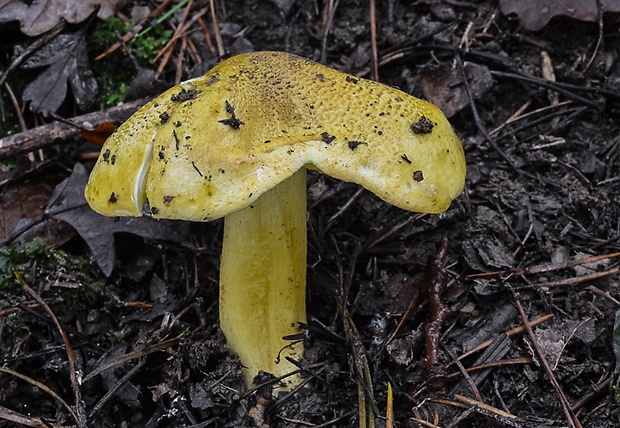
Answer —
55 132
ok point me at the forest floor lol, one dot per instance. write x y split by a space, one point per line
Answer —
115 323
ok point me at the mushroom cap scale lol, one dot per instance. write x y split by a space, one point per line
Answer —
212 145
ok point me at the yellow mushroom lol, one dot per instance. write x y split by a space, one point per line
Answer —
236 142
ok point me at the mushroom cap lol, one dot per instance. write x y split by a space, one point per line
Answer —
212 145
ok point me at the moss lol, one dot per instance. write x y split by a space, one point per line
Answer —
66 282
115 72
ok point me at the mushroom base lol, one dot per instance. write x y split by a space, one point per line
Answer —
263 280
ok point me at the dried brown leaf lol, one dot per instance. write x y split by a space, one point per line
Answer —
535 14
441 85
67 62
39 16
69 205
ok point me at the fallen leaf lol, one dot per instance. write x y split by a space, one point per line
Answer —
39 16
69 205
21 206
22 215
99 134
442 85
67 62
535 14
284 5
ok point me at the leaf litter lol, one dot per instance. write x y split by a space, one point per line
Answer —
536 14
69 205
39 16
67 65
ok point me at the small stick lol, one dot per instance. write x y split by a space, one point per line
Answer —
374 58
80 415
543 268
216 30
517 330
54 132
205 31
464 372
135 30
568 412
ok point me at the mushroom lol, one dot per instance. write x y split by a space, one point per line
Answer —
236 143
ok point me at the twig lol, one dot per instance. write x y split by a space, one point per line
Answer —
76 379
367 406
110 393
132 355
543 268
346 206
477 403
599 389
410 219
181 33
18 111
137 29
519 115
167 51
374 59
329 11
42 387
568 90
54 132
423 422
569 281
604 294
180 60
494 364
599 41
221 51
413 303
480 125
513 332
570 416
13 416
205 32
505 418
464 372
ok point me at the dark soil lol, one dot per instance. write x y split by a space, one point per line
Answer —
542 191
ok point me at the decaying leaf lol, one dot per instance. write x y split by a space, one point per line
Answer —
441 85
535 14
69 205
99 134
38 16
284 5
21 206
67 61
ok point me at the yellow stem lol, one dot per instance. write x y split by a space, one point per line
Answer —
263 279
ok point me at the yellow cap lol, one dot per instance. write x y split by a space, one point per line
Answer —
212 145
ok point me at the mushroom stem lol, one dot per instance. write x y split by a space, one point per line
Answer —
263 279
